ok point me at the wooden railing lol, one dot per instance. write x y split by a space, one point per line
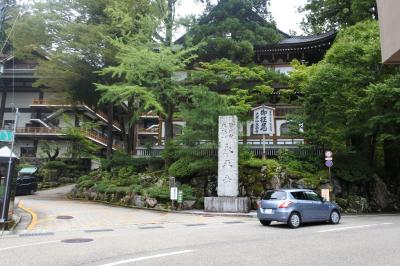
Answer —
146 130
78 104
61 131
38 130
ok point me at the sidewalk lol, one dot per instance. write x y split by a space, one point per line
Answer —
251 214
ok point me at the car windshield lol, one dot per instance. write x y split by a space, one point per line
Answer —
275 195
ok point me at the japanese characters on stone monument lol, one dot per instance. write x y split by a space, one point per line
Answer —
263 123
228 161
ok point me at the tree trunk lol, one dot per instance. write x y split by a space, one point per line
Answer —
392 162
169 22
244 133
372 150
169 123
110 114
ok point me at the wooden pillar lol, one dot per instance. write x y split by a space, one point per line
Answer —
3 106
159 131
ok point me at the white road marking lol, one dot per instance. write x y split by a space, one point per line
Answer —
29 245
148 257
351 227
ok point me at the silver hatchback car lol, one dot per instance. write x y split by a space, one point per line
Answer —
296 206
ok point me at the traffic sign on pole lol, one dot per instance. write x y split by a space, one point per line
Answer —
6 135
329 164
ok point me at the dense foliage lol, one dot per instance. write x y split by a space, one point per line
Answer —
232 28
326 15
347 106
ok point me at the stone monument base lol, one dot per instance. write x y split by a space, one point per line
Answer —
227 204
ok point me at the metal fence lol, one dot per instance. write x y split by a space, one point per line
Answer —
257 150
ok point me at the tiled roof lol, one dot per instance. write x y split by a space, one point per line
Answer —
307 39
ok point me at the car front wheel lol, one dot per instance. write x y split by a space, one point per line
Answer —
294 220
335 217
265 222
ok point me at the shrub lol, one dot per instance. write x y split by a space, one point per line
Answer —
187 192
188 167
161 193
123 160
56 165
271 165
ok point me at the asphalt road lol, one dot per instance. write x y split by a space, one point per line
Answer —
121 236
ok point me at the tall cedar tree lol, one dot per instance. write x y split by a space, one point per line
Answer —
231 29
327 15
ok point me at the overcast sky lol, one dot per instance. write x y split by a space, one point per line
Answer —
284 12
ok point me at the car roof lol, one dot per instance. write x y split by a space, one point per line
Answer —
291 189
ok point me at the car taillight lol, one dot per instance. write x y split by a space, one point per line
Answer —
285 204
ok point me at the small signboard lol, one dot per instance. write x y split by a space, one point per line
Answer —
174 193
263 122
325 193
6 135
329 164
171 182
180 196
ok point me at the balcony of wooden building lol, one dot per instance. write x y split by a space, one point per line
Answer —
46 103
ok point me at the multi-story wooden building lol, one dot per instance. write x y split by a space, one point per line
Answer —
44 117
306 49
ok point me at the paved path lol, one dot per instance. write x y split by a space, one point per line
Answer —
137 237
52 207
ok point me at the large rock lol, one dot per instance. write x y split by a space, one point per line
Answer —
188 204
151 202
357 204
381 198
275 182
138 201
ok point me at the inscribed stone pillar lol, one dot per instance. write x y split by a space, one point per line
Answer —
228 158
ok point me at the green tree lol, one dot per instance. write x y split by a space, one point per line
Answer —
383 125
340 108
231 28
326 15
7 20
81 146
73 37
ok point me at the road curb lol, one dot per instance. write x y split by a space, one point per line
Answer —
194 212
33 222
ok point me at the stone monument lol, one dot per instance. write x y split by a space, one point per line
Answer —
228 170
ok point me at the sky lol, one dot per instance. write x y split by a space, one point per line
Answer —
284 12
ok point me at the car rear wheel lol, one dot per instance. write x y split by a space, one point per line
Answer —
265 222
294 220
334 218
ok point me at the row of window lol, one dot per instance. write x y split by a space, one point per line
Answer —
300 195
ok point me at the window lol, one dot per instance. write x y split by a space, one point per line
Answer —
8 124
312 196
298 195
28 152
279 195
284 129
